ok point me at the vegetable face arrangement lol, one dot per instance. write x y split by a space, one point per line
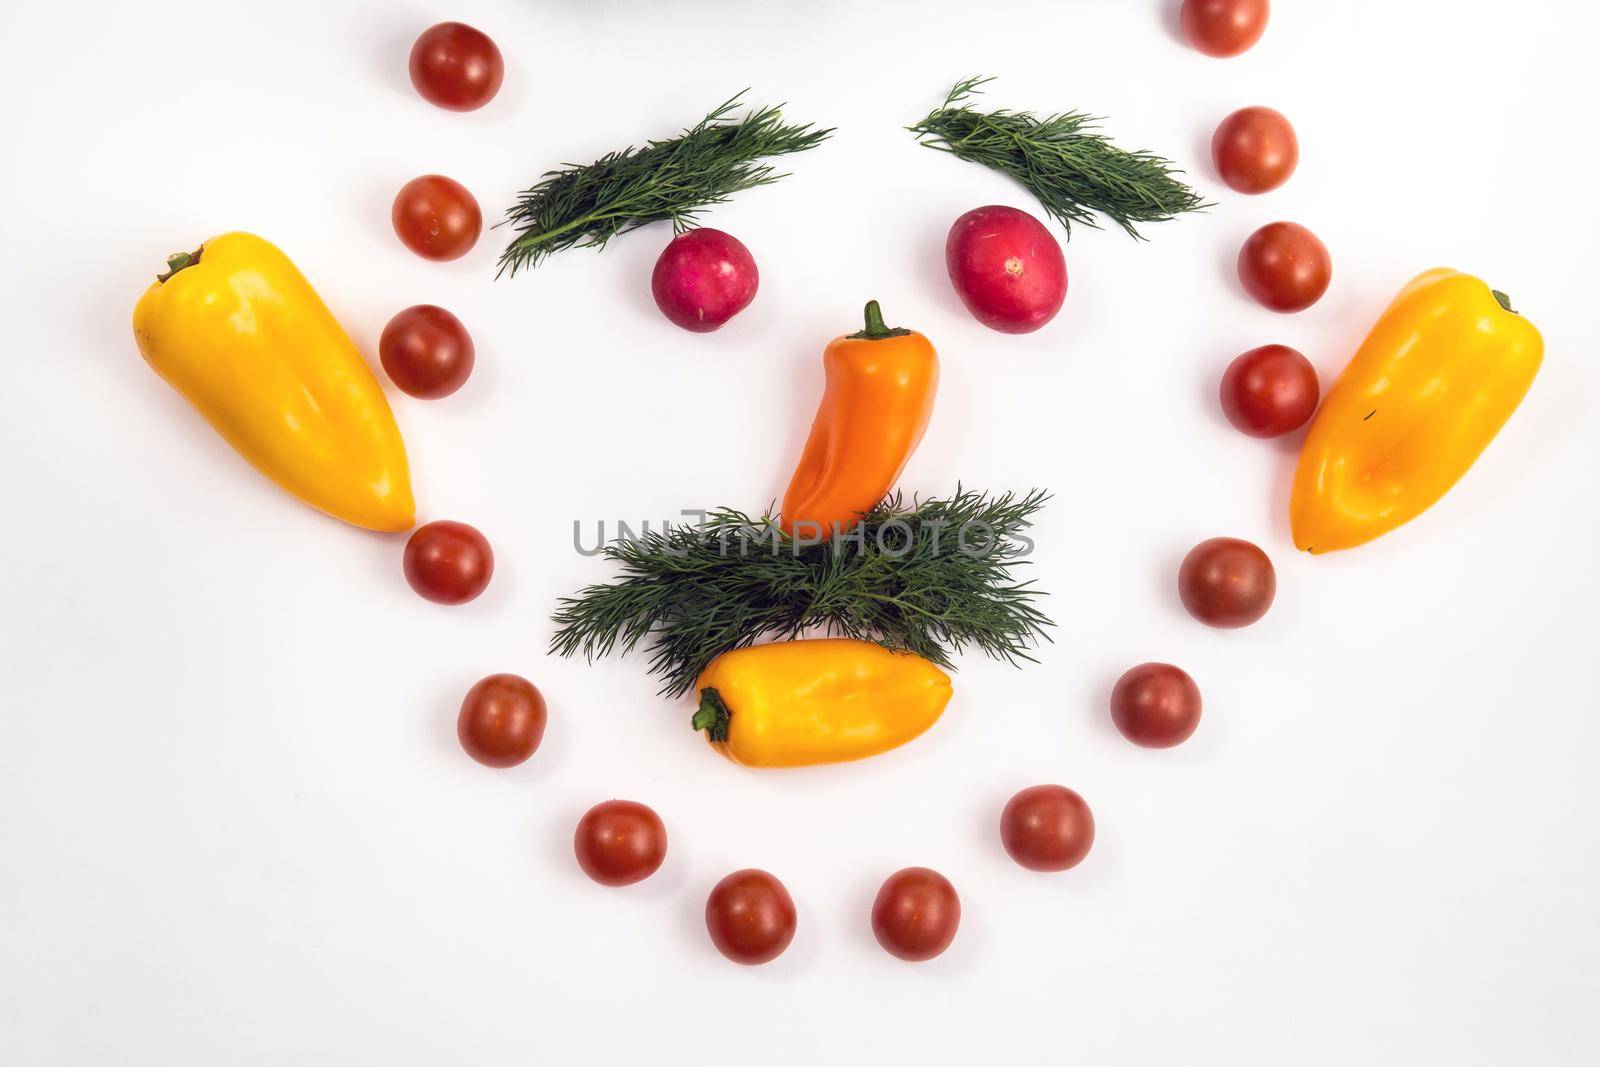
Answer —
891 591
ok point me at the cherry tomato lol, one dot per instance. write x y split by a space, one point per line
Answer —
916 914
1047 828
426 352
1269 391
1284 266
620 842
1227 583
448 562
502 720
1254 150
436 217
1223 28
750 917
1155 705
456 66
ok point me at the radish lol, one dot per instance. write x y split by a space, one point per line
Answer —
703 279
1006 268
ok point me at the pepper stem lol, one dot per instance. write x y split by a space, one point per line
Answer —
180 260
876 330
712 716
1503 300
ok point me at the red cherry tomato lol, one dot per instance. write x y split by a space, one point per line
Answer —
916 914
1269 391
704 278
620 842
448 562
1227 583
1047 828
1285 267
1223 28
426 352
1254 150
750 917
436 217
456 66
1156 705
502 720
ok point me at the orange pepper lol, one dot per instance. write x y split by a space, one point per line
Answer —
879 396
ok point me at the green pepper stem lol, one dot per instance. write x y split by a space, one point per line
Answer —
876 329
712 715
1503 300
179 261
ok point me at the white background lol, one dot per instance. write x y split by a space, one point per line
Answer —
235 824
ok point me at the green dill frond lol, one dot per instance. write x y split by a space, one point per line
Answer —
671 180
933 577
1073 170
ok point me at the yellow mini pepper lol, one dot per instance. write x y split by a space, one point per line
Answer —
241 334
826 700
1434 381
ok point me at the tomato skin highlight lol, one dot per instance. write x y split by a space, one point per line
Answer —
1047 828
1156 705
448 562
750 917
916 914
1285 267
1223 28
703 278
1007 268
1269 391
1254 150
456 67
426 352
436 217
502 720
1227 582
620 842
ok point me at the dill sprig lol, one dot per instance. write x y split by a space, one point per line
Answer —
586 206
1060 159
932 578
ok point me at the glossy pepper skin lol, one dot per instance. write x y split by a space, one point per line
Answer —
241 334
827 700
875 407
1432 384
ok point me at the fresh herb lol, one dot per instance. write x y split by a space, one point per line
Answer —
931 578
672 180
1072 170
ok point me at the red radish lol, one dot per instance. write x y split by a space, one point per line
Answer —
1006 268
703 279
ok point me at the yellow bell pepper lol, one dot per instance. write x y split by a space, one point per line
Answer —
1432 384
237 330
827 700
